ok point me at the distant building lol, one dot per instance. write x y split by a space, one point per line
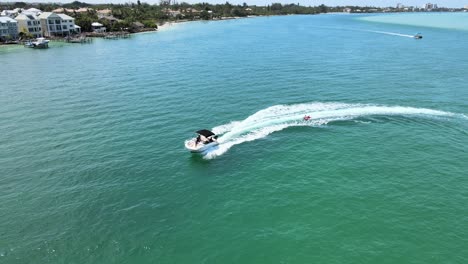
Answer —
33 11
67 10
29 23
347 10
192 10
137 25
428 6
11 13
105 12
98 27
399 6
109 18
62 10
174 13
8 28
57 24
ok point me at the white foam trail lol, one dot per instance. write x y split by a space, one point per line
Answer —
224 128
372 31
392 33
279 117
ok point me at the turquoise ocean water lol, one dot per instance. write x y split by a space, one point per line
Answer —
93 168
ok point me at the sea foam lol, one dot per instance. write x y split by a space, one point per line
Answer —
279 117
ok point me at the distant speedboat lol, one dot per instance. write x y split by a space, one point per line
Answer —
418 36
40 43
205 140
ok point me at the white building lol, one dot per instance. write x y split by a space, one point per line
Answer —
32 11
8 28
98 27
428 6
57 24
174 13
11 13
68 22
29 23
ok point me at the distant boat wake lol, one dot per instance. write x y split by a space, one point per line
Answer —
279 117
371 31
391 33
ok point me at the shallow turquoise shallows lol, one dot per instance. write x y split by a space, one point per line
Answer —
94 170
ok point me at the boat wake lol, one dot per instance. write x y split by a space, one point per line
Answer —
369 31
392 33
279 117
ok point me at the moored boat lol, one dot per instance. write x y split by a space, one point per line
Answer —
40 43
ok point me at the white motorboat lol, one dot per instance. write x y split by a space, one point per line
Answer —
40 43
203 142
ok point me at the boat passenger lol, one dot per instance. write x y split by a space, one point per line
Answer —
197 140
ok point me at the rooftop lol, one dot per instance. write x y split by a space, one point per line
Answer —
45 15
32 9
7 19
65 17
26 16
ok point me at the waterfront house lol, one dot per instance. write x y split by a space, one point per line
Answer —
110 18
8 28
77 29
174 13
98 27
57 24
29 23
192 10
137 25
68 22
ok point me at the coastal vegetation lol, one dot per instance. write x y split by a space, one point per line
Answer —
134 16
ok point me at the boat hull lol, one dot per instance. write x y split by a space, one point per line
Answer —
200 147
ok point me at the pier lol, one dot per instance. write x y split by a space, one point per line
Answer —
109 35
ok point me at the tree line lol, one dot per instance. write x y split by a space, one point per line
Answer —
123 16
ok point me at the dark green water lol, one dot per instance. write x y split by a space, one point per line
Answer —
93 168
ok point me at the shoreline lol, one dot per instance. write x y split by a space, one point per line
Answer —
171 24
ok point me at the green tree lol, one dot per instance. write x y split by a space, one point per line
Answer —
204 15
323 8
24 34
20 5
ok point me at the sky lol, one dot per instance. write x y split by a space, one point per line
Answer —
379 3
